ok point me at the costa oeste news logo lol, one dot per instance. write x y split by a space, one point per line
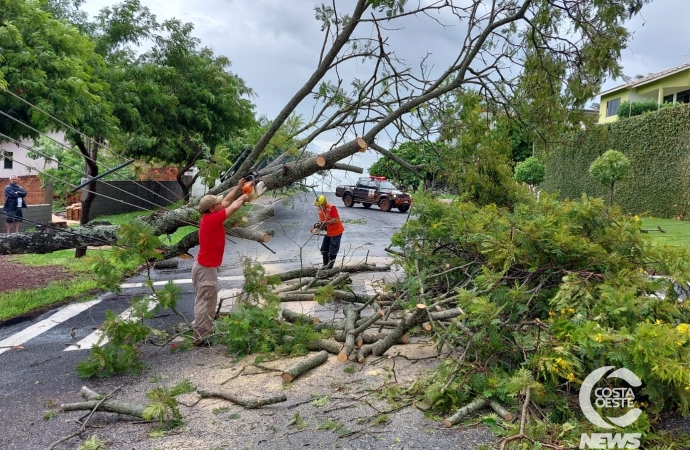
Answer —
608 397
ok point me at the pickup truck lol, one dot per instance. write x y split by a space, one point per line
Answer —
375 190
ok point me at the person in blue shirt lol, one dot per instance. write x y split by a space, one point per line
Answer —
14 203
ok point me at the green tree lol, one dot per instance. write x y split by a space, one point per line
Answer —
424 155
530 171
609 168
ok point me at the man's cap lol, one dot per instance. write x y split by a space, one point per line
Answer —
320 200
207 201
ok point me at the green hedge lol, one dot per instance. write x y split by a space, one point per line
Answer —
658 146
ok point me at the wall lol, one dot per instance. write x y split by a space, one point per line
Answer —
21 161
133 196
658 146
42 214
35 193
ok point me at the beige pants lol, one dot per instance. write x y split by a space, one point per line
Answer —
205 281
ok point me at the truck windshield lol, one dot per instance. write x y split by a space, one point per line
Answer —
386 186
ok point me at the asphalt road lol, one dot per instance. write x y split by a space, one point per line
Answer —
38 357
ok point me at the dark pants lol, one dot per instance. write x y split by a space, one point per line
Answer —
330 248
13 216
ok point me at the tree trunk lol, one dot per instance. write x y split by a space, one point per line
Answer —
89 152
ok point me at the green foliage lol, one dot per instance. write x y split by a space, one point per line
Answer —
255 327
121 338
550 291
530 171
425 154
609 168
627 109
658 146
163 406
92 443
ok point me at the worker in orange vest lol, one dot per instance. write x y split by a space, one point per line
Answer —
330 220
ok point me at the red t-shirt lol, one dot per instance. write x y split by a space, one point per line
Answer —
211 239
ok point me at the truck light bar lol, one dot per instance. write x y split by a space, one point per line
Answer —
377 178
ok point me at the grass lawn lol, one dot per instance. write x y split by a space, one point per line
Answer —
677 232
82 286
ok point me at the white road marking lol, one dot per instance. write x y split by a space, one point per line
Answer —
182 281
34 330
91 340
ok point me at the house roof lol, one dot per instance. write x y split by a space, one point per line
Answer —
648 79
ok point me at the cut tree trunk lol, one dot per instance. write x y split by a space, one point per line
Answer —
475 405
408 322
350 320
249 403
306 364
293 317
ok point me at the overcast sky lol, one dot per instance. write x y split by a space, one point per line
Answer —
274 44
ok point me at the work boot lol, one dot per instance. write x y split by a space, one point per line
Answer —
331 261
325 260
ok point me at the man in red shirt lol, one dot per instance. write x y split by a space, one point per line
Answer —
214 210
330 219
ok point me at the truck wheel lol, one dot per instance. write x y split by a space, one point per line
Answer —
366 205
385 205
348 200
404 208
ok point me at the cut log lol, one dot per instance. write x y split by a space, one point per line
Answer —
372 338
321 161
295 297
113 406
408 322
475 405
363 352
298 369
249 403
325 344
350 319
447 314
312 271
362 144
501 411
293 317
166 264
252 235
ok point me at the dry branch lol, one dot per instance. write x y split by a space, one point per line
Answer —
249 403
350 319
298 369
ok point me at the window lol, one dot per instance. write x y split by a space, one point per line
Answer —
8 160
683 96
612 107
668 98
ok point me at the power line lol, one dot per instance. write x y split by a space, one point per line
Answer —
70 127
80 155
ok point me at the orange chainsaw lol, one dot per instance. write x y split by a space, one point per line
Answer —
253 188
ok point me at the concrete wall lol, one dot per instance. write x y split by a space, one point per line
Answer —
36 213
133 196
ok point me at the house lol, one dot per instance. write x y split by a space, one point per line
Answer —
14 160
668 86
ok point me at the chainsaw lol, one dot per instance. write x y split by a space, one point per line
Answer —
319 229
253 188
